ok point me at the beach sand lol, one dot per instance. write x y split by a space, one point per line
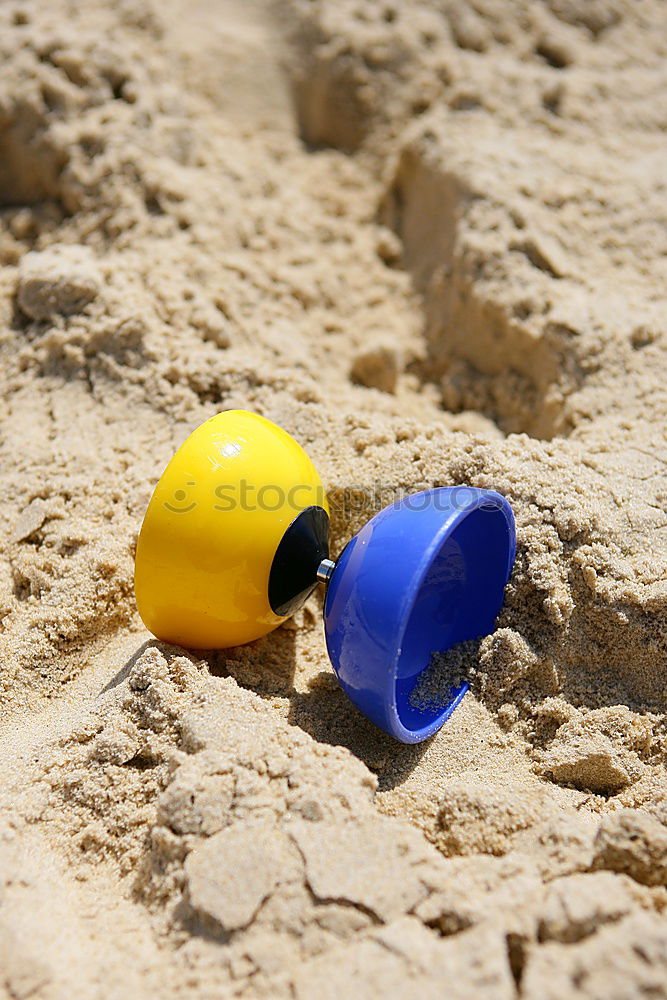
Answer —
430 240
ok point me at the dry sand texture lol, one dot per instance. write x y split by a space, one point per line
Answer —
428 237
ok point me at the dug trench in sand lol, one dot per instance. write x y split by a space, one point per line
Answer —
430 241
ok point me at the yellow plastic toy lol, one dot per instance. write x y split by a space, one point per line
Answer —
233 535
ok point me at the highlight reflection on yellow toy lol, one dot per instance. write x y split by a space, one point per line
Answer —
233 535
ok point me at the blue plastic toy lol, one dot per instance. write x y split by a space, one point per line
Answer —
425 573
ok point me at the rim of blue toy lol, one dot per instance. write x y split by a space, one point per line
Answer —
478 499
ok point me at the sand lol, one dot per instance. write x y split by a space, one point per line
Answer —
430 240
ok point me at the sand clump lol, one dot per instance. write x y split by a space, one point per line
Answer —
444 676
57 282
429 240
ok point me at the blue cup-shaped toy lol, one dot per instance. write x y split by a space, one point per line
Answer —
424 574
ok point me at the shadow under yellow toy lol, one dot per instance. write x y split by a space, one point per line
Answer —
233 535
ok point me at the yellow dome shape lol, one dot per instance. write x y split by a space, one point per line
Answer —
212 529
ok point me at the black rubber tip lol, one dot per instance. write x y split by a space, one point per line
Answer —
302 548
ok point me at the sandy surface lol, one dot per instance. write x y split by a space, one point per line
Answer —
429 239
